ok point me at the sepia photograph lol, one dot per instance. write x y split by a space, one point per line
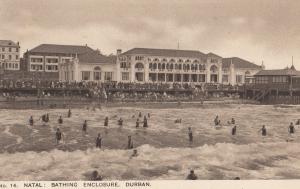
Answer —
141 91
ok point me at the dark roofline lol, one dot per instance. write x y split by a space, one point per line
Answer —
129 52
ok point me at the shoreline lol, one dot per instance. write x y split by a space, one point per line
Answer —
60 103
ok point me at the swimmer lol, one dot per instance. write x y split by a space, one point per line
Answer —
216 120
31 121
232 121
130 143
291 128
106 121
120 122
233 130
98 141
60 120
137 123
145 122
192 176
58 136
178 120
96 176
135 154
84 127
263 131
190 133
69 113
47 118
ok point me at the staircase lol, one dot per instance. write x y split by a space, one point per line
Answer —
261 94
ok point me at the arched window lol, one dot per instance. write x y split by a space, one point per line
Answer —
192 67
188 67
171 66
159 66
155 66
150 65
180 66
184 67
139 65
213 68
163 66
168 66
176 67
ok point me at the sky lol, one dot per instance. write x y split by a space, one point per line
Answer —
255 30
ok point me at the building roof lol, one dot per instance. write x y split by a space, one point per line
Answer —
61 49
8 43
96 57
281 72
165 52
239 63
213 54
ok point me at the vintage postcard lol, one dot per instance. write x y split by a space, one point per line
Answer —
149 94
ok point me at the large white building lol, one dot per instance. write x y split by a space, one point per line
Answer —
9 55
47 57
168 65
142 65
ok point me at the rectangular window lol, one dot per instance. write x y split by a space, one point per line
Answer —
17 66
201 78
108 76
17 49
85 75
262 79
225 78
9 49
17 57
52 60
186 77
279 79
178 77
39 60
9 57
125 76
193 78
3 49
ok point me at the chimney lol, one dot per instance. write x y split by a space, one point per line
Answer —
119 51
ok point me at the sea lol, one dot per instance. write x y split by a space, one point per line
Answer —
164 151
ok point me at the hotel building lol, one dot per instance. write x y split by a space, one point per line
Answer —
9 55
142 65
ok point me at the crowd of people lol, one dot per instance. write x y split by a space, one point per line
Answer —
110 91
